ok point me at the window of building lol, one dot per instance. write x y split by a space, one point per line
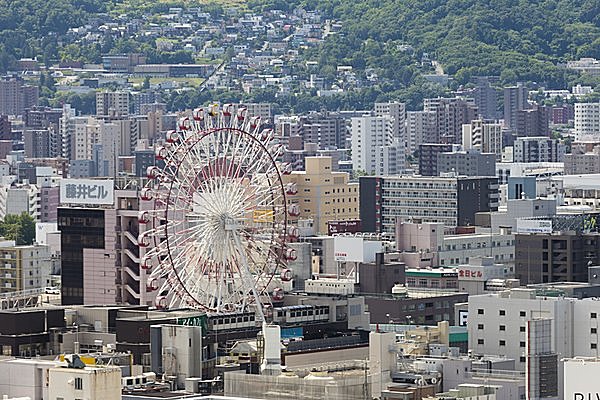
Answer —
480 311
522 313
593 315
521 329
502 327
593 345
502 342
78 384
480 326
521 344
522 359
502 312
594 330
479 341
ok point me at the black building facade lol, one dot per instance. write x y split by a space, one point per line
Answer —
428 157
25 332
80 228
556 257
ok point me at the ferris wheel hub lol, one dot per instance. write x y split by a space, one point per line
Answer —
229 223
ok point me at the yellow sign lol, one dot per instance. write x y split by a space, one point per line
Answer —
87 360
264 216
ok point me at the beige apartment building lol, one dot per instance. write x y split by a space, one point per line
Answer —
321 194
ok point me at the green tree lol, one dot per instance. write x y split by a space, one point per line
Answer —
146 83
20 228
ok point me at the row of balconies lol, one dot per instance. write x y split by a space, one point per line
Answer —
410 212
403 195
428 204
418 186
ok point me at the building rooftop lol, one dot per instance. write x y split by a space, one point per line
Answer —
418 293
587 181
433 272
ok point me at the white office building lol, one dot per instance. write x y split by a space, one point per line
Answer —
587 122
398 112
484 136
497 324
375 149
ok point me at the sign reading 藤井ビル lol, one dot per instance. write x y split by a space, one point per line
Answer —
87 191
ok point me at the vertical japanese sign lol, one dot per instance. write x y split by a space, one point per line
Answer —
87 191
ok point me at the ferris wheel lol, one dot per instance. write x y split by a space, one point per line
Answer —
218 230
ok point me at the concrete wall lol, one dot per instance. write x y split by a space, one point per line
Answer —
518 307
99 275
182 352
97 383
287 387
298 360
25 378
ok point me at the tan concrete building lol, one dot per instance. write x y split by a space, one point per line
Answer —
321 194
24 267
91 382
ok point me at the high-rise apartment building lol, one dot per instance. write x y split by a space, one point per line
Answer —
428 157
582 161
398 112
112 104
486 97
587 122
451 115
145 98
515 99
24 267
16 96
20 198
421 127
36 143
327 130
67 132
288 130
533 122
375 150
262 110
453 201
42 117
323 195
563 114
538 149
85 134
467 163
484 136
5 128
49 200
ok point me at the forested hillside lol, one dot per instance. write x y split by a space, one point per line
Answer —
31 28
515 39
386 40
